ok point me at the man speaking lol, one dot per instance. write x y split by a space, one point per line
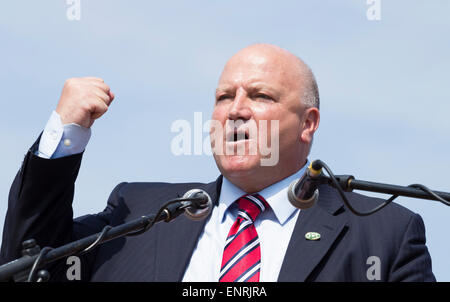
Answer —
253 233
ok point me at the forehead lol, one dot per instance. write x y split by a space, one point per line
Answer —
260 68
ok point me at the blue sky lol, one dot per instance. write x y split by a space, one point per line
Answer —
383 85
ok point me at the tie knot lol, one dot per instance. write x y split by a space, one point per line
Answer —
250 206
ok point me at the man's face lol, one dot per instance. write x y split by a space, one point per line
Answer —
259 86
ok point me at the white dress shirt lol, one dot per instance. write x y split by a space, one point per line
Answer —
274 226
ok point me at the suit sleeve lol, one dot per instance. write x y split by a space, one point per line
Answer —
413 261
40 207
40 203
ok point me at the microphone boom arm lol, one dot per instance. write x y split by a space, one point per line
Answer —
348 183
24 268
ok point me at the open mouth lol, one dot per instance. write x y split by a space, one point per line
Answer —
237 135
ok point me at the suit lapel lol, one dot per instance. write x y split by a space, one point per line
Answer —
177 240
303 255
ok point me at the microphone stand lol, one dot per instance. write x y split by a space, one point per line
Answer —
24 268
348 183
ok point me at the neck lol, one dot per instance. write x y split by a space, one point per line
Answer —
256 181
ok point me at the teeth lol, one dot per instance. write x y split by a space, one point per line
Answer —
239 136
236 135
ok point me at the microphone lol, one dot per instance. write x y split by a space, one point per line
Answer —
201 205
303 193
195 204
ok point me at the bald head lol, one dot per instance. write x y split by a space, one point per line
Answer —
272 95
278 60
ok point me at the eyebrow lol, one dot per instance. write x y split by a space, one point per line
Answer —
251 86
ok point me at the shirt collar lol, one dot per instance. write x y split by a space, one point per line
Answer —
275 195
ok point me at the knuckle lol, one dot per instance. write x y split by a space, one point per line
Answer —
71 84
68 82
94 79
86 106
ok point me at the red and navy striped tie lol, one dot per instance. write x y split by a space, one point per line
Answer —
241 260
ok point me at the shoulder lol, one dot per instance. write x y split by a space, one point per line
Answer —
393 212
388 226
394 235
158 189
143 197
394 230
390 215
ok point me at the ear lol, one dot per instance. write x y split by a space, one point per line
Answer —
310 124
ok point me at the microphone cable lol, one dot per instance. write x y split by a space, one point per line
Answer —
161 211
379 207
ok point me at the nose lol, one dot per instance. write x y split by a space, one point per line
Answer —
240 107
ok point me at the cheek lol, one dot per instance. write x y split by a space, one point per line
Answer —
289 130
265 110
218 119
271 111
285 118
219 113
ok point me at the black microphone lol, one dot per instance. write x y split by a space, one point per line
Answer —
303 193
201 205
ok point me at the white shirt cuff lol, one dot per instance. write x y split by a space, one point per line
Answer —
60 140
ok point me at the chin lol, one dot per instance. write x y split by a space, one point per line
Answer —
238 165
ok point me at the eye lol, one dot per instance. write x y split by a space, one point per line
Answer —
263 96
223 97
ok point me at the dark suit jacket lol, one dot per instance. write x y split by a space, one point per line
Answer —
40 207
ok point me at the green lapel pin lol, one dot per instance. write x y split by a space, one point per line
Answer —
312 236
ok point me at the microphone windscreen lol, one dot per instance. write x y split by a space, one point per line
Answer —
198 213
301 203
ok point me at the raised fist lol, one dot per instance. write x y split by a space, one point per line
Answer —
83 100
